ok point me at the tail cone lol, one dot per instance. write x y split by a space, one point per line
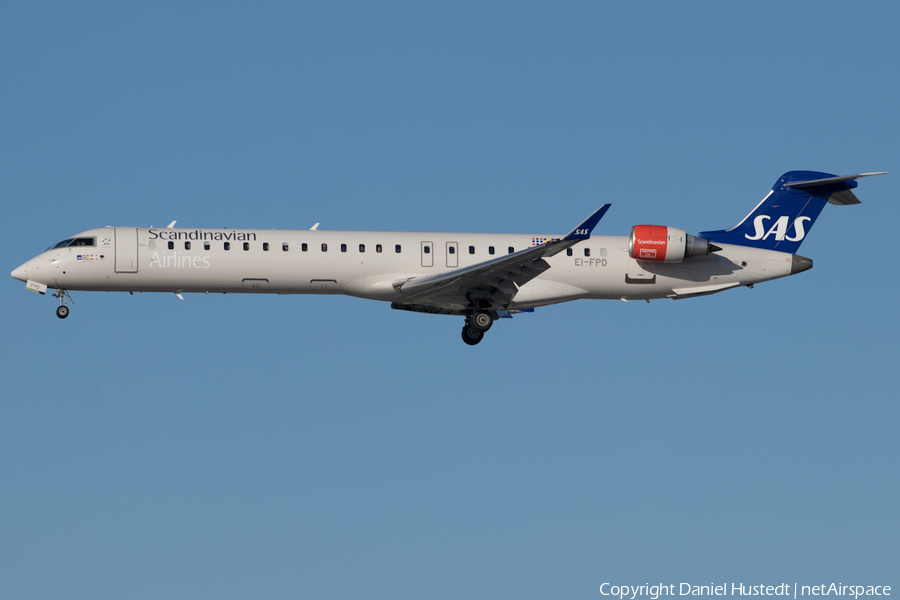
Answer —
800 264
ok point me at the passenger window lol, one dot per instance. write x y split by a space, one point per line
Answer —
397 248
426 249
511 250
187 245
171 245
362 247
343 247
587 251
152 245
228 245
490 249
284 247
246 245
303 247
451 249
568 252
602 251
471 249
206 245
265 246
378 248
324 247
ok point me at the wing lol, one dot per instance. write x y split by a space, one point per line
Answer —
491 284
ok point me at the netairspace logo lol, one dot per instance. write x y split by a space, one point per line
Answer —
654 592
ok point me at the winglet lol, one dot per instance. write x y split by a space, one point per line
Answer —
583 230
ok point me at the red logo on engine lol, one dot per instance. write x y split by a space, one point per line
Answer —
649 242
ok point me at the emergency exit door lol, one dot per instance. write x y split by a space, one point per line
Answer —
427 254
452 258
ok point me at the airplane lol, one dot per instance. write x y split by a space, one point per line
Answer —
480 276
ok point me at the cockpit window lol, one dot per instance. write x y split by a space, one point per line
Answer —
75 242
62 244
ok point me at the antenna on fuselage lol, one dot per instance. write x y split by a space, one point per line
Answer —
171 225
314 227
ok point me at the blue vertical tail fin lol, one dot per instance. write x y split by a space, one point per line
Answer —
784 217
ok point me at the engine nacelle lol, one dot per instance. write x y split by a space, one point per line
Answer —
659 243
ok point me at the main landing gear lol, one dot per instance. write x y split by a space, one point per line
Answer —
62 311
476 325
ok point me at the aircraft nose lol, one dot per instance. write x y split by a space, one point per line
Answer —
21 273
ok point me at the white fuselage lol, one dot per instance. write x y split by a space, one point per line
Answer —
369 264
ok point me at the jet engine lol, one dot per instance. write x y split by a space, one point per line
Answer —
659 243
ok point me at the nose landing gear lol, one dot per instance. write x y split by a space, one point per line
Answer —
62 311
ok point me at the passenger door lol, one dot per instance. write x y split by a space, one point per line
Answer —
126 250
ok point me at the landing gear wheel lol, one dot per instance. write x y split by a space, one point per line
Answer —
481 320
63 311
471 336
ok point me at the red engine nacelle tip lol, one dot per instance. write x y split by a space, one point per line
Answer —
659 243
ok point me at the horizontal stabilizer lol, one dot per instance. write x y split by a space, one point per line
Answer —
825 186
814 183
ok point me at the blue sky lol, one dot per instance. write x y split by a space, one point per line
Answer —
328 447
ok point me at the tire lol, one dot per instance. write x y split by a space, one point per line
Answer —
481 321
471 336
62 312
